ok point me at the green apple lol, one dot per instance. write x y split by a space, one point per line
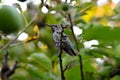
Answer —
10 19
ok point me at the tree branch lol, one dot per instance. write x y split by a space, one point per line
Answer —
60 55
6 71
80 57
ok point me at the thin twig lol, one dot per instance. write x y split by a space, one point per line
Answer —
27 26
19 7
6 70
60 55
81 66
67 67
80 57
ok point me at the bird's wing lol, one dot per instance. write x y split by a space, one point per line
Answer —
56 38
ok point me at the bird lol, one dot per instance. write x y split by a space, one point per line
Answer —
66 43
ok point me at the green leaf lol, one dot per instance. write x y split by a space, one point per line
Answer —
19 75
116 52
85 6
44 33
50 76
41 60
35 71
38 73
55 8
102 33
97 52
116 17
106 70
50 18
88 67
79 20
116 78
73 73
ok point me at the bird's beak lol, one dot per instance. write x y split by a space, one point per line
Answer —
49 25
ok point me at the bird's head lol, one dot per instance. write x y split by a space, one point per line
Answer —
55 27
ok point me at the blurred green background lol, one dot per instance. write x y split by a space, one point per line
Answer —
98 40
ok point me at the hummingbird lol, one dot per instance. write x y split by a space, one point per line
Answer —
66 43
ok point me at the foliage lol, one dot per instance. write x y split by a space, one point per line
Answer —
37 55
